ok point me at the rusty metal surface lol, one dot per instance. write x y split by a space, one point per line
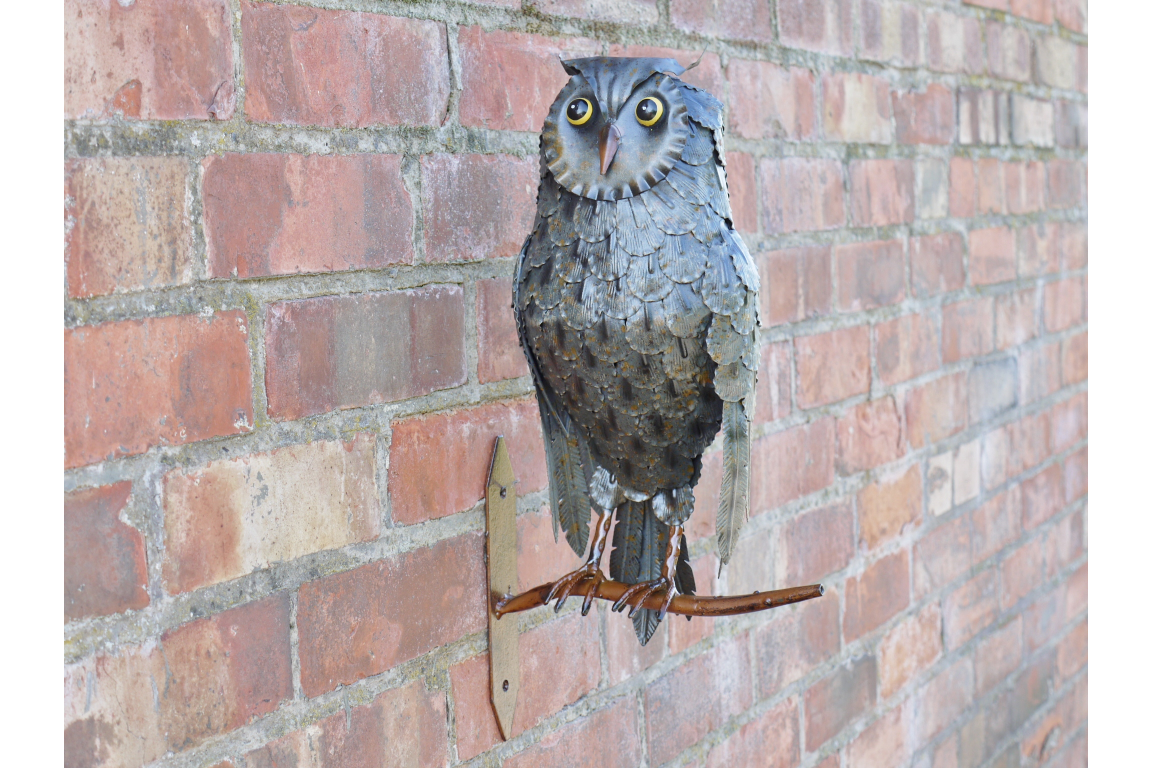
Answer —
503 636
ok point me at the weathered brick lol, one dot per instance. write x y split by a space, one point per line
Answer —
1014 448
105 566
740 169
991 255
1069 422
909 648
1040 371
626 657
857 108
539 557
772 740
1038 246
1043 496
1065 544
955 43
938 703
1072 242
832 366
279 214
626 12
1076 600
702 523
126 224
608 738
510 79
1064 304
1015 318
989 186
308 66
790 464
968 329
998 655
799 283
682 633
1065 183
886 742
816 25
476 728
995 524
1024 187
1033 122
1072 14
970 608
936 410
796 642
439 464
770 101
938 483
815 544
164 60
740 19
931 188
774 383
888 506
927 117
1056 61
838 699
1037 10
882 191
352 351
889 31
126 391
1074 355
966 472
1009 51
876 595
477 206
720 683
799 193
870 274
751 568
1071 124
961 187
869 435
498 350
367 620
992 389
1022 572
559 663
942 555
205 678
937 263
983 116
907 347
1072 653
232 517
1076 475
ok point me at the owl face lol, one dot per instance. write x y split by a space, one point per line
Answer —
617 127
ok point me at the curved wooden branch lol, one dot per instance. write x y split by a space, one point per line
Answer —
685 605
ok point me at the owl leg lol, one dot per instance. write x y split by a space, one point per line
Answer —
563 586
635 595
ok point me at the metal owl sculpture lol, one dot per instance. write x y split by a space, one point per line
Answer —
636 305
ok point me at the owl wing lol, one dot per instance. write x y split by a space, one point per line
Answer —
564 448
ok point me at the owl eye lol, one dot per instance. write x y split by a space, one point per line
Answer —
579 111
648 111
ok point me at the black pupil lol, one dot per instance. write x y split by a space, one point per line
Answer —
577 109
647 110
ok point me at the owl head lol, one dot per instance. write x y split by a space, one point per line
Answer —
617 127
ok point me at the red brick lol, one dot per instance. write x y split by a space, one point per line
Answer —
770 101
790 464
230 518
1015 318
1073 245
870 274
998 656
125 389
939 703
906 347
1065 544
719 683
1043 496
937 263
889 32
608 738
1072 14
105 565
876 595
1024 187
857 108
799 193
936 410
126 224
365 621
991 255
832 366
1039 246
702 523
887 742
750 571
1037 10
799 283
336 352
909 648
439 464
942 555
706 73
968 329
1065 183
203 679
739 19
989 186
1072 653
774 383
970 608
165 60
796 642
559 663
888 505
280 214
1009 51
1015 448
1039 371
1076 600
1023 571
741 172
510 79
498 346
635 11
626 657
955 43
882 192
340 68
869 435
682 633
539 557
476 728
838 699
1074 351
1045 617
1069 422
772 740
1064 304
995 524
815 544
1076 475
961 187
925 118
477 206
816 26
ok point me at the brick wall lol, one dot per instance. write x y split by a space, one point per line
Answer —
290 230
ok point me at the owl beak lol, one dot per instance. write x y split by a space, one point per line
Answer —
609 143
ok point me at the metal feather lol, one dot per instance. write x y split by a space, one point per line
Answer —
568 489
638 545
733 508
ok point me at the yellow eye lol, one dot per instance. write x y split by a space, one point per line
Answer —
579 111
648 111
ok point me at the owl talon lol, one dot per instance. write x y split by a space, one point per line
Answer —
562 588
634 597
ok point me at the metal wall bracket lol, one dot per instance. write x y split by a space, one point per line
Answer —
503 634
